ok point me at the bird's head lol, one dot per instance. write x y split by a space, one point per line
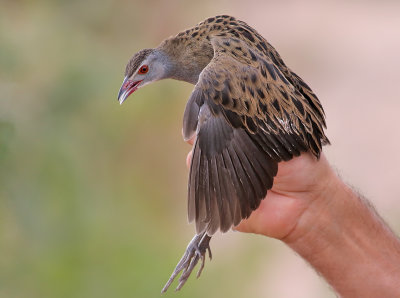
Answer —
146 66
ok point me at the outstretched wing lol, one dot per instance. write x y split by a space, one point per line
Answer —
247 117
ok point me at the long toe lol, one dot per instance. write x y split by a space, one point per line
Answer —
195 251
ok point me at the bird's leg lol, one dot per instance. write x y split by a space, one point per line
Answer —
195 251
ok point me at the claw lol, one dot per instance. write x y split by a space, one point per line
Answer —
203 261
195 251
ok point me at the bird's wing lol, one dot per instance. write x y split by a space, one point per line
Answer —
247 117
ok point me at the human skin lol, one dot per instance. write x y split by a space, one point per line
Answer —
329 225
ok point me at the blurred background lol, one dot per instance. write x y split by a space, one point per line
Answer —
93 194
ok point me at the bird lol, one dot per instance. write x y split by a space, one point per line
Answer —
247 112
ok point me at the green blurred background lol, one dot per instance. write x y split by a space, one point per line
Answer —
93 194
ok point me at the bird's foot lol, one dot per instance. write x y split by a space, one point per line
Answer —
195 251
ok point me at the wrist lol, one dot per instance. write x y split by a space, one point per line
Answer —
344 240
319 219
324 200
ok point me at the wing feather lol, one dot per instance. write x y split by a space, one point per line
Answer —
247 115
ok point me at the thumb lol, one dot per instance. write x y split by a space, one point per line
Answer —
190 154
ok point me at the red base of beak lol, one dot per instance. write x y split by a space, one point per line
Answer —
127 88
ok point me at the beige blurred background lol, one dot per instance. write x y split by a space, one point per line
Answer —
93 194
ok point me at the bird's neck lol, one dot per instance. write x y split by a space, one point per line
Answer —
187 58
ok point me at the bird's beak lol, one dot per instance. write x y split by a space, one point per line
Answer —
127 88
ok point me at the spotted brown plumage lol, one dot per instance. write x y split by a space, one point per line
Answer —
247 112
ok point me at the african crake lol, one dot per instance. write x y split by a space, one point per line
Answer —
248 111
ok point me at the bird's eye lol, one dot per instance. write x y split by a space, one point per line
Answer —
144 69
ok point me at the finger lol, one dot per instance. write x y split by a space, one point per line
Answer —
243 226
191 141
259 220
189 158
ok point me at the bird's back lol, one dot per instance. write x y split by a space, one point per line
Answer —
193 51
